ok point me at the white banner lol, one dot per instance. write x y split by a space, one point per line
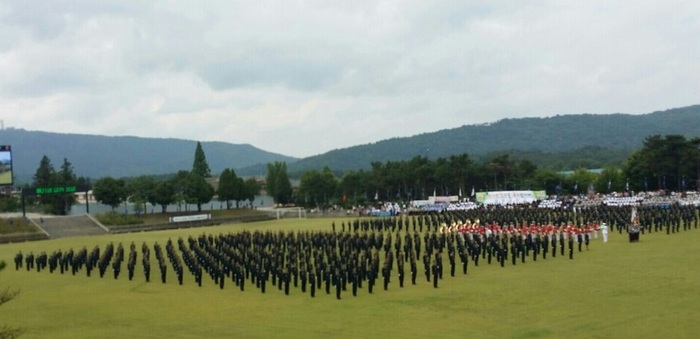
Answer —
509 197
185 218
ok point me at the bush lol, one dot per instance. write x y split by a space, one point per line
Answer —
9 204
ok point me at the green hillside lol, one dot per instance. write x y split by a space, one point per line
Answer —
561 142
613 136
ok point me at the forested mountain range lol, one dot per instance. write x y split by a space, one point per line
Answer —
96 156
561 142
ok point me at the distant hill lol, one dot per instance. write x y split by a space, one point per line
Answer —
97 156
598 139
617 133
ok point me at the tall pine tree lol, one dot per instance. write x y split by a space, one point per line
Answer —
200 167
45 173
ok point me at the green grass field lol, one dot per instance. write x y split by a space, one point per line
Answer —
649 289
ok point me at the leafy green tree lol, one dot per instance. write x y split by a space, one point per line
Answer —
318 187
352 185
461 167
664 163
579 180
110 191
550 180
141 191
163 194
277 182
180 183
501 168
421 173
227 190
200 166
251 188
200 191
610 180
310 188
526 171
192 189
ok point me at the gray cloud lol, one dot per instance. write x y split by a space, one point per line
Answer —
267 68
304 77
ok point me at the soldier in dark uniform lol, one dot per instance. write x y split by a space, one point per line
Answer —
355 279
545 246
385 276
262 279
561 243
303 277
337 282
400 269
116 268
451 257
554 243
147 270
436 273
426 264
414 269
579 238
287 278
220 275
163 272
312 283
41 260
30 261
18 260
513 251
571 246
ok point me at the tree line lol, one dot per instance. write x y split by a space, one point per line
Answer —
670 163
663 163
189 187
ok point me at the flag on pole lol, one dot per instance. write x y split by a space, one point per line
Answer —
473 193
460 191
376 195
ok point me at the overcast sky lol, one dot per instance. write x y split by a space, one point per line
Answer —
302 78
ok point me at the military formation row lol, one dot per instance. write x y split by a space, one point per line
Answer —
309 260
365 252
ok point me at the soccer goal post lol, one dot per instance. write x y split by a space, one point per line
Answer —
291 212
